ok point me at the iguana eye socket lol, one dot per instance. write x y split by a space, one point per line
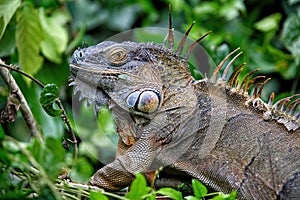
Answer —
146 101
117 56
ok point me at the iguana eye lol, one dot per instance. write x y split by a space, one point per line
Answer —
117 56
146 101
79 54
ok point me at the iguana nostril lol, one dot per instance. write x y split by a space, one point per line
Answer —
146 101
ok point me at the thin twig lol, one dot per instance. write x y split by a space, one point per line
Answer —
16 68
67 122
24 107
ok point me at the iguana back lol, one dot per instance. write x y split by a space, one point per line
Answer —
210 129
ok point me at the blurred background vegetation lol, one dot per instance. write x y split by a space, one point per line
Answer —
40 36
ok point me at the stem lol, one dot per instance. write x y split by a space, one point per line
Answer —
67 122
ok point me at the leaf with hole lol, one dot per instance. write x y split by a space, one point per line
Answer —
48 97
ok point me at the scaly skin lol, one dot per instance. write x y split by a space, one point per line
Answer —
209 129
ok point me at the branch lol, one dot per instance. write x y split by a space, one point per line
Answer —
25 109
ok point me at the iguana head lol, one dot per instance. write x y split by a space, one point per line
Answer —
134 75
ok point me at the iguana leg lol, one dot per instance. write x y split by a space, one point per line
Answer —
120 173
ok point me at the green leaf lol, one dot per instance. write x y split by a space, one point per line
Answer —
138 188
7 10
191 198
199 189
48 97
291 34
97 196
170 192
28 39
221 196
269 23
55 37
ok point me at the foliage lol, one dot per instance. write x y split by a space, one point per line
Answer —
40 36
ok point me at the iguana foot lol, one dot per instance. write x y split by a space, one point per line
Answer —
111 179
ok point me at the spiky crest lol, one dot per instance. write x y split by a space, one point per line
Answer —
170 37
285 111
182 42
171 34
232 79
192 46
217 70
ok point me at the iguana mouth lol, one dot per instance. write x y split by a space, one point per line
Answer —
86 70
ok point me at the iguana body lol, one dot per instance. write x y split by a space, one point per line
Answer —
209 129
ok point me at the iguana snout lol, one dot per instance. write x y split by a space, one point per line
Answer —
100 65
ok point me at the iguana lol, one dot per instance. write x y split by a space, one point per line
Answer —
210 129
